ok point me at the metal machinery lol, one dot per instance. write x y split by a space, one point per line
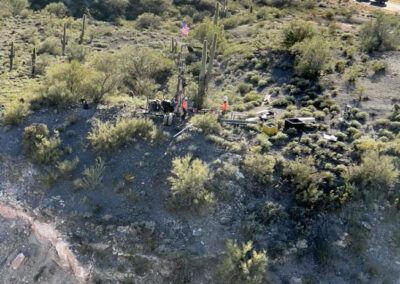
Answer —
171 109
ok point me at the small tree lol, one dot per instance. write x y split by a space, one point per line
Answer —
39 145
311 58
261 167
242 264
15 7
380 34
57 9
188 183
375 172
297 31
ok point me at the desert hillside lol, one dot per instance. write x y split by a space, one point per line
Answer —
199 141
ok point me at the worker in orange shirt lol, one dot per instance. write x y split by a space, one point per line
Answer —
184 108
224 107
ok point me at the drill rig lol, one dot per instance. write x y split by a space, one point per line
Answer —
171 109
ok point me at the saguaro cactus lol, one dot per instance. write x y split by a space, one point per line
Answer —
33 62
205 75
211 62
64 40
11 56
216 15
202 78
83 29
174 46
224 4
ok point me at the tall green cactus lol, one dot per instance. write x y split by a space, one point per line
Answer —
205 75
33 71
216 15
64 40
202 78
174 46
224 4
211 62
83 29
11 56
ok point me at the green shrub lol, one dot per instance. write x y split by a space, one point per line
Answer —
271 212
301 176
77 52
375 171
242 264
107 137
382 33
15 7
66 168
51 46
244 88
353 72
148 21
188 183
15 113
297 31
312 57
378 66
57 9
48 179
92 176
66 83
206 31
39 145
260 167
207 123
253 96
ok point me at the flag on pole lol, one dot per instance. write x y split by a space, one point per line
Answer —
185 29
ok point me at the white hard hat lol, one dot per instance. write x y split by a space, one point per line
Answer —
186 98
225 98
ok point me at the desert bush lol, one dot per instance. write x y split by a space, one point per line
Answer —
253 96
106 136
311 58
378 66
271 212
39 145
57 9
188 183
301 176
145 64
137 7
297 31
92 176
77 52
263 140
50 46
110 76
14 7
353 72
15 113
206 123
66 168
382 33
375 171
242 264
244 88
66 83
260 167
148 21
206 31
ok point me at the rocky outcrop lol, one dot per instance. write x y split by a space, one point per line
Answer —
46 233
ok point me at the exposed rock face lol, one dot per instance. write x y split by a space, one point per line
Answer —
45 233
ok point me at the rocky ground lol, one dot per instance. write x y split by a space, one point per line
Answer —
25 259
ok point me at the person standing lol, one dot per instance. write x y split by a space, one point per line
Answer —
224 107
184 108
